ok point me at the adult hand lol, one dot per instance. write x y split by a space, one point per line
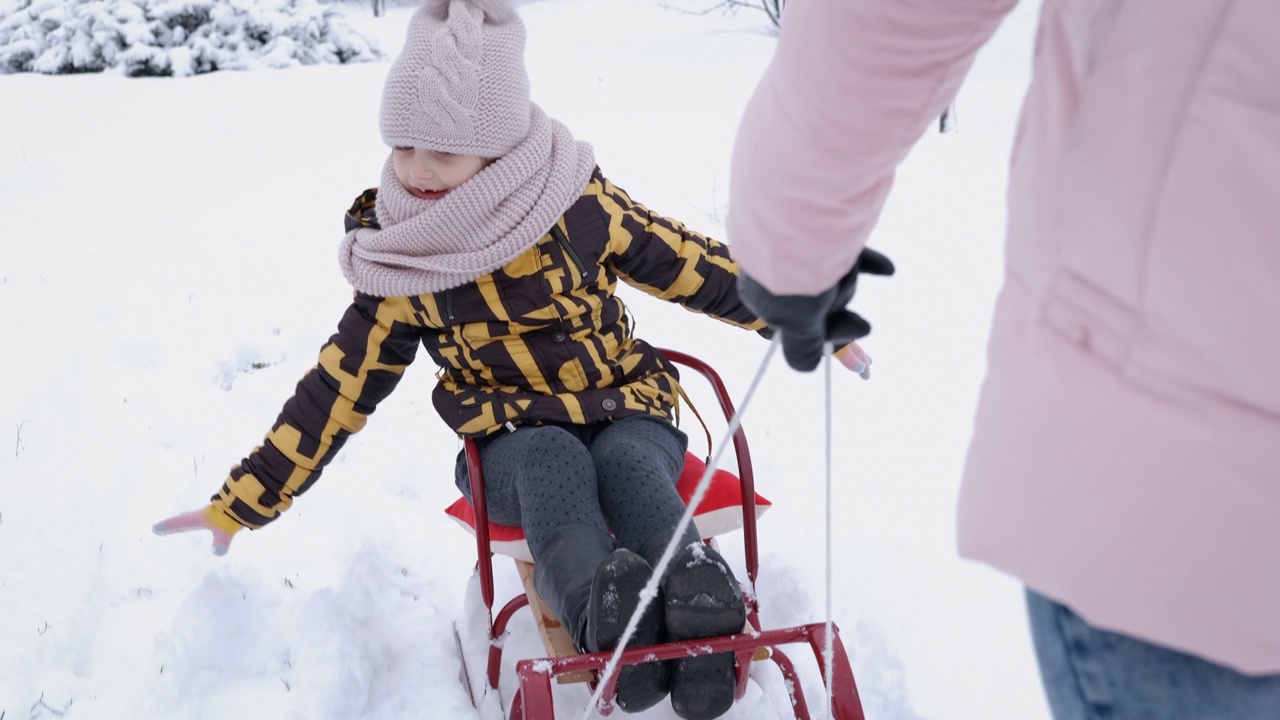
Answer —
807 322
211 518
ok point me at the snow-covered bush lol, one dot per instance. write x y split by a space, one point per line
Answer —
174 37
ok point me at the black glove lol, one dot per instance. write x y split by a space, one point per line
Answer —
808 321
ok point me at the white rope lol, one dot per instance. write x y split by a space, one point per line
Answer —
650 589
828 651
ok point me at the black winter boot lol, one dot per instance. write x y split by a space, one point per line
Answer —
615 594
594 587
702 600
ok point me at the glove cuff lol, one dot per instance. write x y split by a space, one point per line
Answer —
784 310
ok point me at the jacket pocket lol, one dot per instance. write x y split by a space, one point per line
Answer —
1106 329
1094 320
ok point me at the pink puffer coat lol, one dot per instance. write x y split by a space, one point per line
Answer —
1126 453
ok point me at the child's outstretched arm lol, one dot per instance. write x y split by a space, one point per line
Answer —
663 258
359 367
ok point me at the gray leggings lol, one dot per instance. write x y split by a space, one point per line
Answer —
615 475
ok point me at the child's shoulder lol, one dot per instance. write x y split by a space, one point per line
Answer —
602 190
598 184
361 214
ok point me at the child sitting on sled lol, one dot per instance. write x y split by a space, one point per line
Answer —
495 242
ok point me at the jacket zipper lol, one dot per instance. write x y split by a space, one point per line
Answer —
448 305
559 235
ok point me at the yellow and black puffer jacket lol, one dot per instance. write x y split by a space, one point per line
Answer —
544 339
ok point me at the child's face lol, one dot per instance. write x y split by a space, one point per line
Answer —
429 174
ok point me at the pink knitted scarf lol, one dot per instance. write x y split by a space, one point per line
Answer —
427 246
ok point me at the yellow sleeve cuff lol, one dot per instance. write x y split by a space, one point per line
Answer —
222 520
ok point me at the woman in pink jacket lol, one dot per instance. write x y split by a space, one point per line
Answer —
1125 461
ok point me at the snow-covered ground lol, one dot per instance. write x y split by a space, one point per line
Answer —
167 272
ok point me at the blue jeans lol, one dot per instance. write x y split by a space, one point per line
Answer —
1092 674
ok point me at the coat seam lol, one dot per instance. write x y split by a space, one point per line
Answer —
1158 200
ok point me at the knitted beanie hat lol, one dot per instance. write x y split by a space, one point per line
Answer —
459 85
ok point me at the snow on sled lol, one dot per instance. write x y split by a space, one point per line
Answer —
730 504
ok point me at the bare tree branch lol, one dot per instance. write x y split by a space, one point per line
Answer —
771 8
17 443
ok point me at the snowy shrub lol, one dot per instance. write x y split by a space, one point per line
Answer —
174 37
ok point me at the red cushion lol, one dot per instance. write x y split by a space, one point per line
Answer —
719 513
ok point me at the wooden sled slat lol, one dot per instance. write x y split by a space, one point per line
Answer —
555 638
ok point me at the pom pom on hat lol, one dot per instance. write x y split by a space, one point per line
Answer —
459 85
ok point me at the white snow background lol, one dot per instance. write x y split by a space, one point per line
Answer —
167 273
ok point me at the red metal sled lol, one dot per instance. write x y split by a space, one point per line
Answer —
533 700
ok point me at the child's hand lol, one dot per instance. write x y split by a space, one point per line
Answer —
854 358
211 518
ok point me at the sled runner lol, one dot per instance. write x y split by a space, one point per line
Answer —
730 504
